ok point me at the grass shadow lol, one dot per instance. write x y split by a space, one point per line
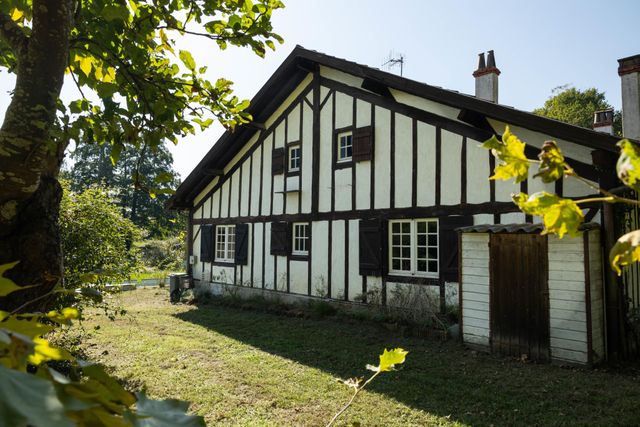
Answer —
441 378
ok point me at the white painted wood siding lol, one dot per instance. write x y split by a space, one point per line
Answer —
475 288
567 300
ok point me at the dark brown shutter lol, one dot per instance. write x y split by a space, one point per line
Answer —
362 143
277 161
206 243
373 247
280 238
242 244
449 245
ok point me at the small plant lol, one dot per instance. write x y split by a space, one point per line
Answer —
388 361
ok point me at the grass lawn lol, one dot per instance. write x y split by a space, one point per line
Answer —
241 367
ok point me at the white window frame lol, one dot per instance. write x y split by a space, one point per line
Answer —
339 147
413 233
300 237
225 249
289 157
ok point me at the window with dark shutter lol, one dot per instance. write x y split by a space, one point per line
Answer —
362 144
206 243
373 244
449 245
280 238
242 244
277 161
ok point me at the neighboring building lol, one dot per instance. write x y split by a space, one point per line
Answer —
351 182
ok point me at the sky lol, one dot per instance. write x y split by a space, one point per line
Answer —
539 45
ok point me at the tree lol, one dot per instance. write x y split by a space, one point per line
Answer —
136 89
576 107
133 180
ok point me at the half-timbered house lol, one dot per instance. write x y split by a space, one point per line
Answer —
350 182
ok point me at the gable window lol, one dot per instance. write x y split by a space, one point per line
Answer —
294 158
345 146
300 235
225 243
413 247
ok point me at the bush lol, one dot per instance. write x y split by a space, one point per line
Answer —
167 254
97 241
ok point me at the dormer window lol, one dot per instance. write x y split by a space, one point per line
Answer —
345 146
294 158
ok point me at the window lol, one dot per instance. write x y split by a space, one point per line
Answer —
300 239
225 243
345 146
294 158
413 247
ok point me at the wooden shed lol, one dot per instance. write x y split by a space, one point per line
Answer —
528 295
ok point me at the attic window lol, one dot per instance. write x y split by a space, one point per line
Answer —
345 146
294 158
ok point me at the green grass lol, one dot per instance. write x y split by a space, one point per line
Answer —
150 275
242 367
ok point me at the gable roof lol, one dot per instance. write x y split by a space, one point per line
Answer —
301 61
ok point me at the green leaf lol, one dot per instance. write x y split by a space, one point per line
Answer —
164 413
560 216
164 177
551 162
97 373
114 12
628 166
7 286
26 399
86 64
626 251
510 152
389 359
187 59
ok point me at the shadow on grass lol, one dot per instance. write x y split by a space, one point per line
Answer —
440 378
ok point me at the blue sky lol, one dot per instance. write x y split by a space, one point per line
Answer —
539 45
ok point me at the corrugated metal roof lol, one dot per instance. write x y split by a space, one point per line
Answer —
516 228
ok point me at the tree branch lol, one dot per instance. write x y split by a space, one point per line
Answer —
13 35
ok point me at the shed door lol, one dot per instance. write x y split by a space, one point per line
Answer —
519 296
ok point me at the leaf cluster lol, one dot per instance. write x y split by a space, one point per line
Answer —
561 215
33 393
136 87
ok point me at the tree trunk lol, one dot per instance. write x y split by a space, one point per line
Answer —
29 158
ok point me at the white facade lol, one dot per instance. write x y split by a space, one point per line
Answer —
425 163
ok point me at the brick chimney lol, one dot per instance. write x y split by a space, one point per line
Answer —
487 78
603 121
629 72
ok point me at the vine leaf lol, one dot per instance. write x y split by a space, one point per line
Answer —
551 163
626 251
628 166
560 216
510 151
388 360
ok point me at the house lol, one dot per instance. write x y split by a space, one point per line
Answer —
350 182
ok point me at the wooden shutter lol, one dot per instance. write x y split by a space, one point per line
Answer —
206 243
362 143
373 247
280 238
242 244
449 245
277 161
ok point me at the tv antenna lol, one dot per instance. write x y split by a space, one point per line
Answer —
393 60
